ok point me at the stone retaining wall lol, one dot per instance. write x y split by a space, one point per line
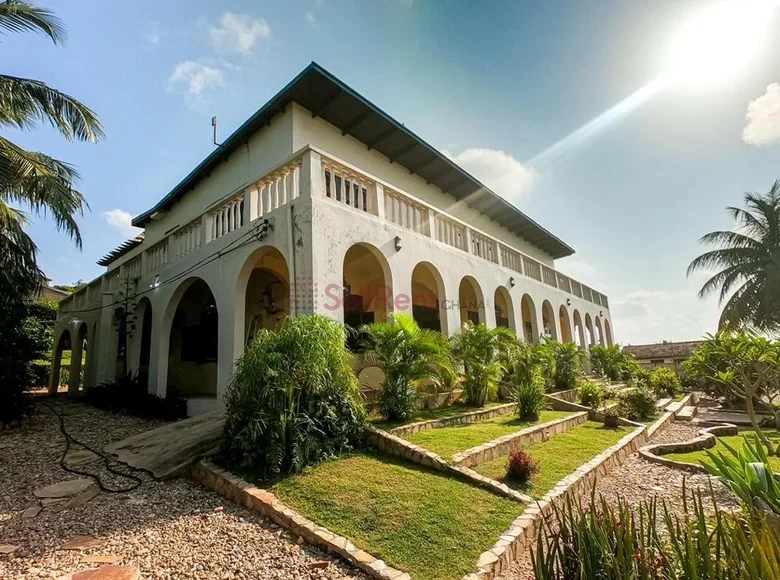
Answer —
500 447
266 503
470 417
706 439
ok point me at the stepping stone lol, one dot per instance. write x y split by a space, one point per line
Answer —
686 413
64 488
82 543
81 457
106 573
8 548
109 559
662 403
31 512
81 498
674 407
50 501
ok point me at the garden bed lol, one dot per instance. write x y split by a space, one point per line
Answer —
428 525
735 441
558 457
447 441
420 415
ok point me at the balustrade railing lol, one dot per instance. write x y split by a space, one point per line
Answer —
549 277
227 218
450 232
157 256
484 247
532 268
277 188
406 213
187 238
348 187
564 283
511 259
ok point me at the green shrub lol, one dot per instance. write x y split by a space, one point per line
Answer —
637 404
664 382
483 353
612 363
589 393
568 365
293 399
127 395
17 351
408 356
611 418
529 396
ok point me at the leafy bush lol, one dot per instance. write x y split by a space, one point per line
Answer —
614 364
611 418
521 467
621 542
568 364
529 396
637 404
17 351
664 382
483 352
293 399
127 395
39 324
408 356
590 394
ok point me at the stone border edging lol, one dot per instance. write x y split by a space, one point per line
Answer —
528 436
470 417
267 504
594 415
706 439
522 532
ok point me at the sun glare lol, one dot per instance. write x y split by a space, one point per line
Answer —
717 42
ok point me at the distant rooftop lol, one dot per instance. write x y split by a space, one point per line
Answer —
677 350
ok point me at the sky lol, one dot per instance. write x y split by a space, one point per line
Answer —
503 87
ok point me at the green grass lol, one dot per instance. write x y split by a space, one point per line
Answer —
428 414
447 441
736 441
425 524
558 456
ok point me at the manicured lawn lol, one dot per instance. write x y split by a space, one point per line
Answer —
558 456
428 414
425 524
446 441
736 441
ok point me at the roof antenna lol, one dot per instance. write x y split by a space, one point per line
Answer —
214 125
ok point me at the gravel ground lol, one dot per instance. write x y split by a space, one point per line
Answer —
174 529
638 480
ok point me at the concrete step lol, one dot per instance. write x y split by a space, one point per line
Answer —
686 413
662 403
674 407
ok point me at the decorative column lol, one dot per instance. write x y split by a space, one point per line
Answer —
76 352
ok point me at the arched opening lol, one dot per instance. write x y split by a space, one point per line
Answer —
589 330
145 316
579 329
78 359
60 356
599 332
608 333
528 316
193 343
503 305
427 297
267 295
367 286
548 321
566 335
472 307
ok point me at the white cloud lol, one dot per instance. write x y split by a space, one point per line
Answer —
763 118
311 18
121 220
195 79
498 170
238 33
151 35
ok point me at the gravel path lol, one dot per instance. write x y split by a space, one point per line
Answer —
174 529
638 480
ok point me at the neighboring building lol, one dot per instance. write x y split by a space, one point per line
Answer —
49 292
663 354
320 202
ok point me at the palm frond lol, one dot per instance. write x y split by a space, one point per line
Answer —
26 102
20 16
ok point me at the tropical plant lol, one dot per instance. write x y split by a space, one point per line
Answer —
39 324
747 473
664 382
17 351
293 399
568 364
409 357
529 396
611 418
590 393
521 467
483 353
637 404
31 179
127 395
747 260
613 363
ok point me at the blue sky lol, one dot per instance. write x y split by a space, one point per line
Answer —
495 84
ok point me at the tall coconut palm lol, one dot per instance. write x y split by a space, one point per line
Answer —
749 263
31 180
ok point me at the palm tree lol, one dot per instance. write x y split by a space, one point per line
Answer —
31 179
408 356
485 354
749 263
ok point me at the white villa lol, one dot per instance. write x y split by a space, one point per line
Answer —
319 203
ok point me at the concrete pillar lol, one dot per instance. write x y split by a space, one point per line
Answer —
158 351
76 352
380 201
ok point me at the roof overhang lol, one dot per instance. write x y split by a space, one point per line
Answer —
325 96
121 250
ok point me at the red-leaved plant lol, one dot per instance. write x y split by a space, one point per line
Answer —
521 466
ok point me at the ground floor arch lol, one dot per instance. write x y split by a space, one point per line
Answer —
528 318
502 302
427 297
548 321
62 350
193 343
471 301
367 286
144 314
599 332
566 333
589 330
579 329
265 281
608 333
